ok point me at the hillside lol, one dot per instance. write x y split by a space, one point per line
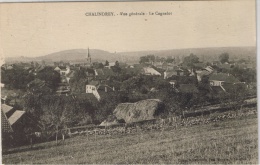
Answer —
77 55
232 141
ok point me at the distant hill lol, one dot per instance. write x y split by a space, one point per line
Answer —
205 54
77 55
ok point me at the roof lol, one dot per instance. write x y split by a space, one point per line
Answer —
217 89
62 67
70 74
104 73
6 108
37 82
223 77
188 88
170 73
204 72
6 127
104 88
39 68
200 65
90 71
152 71
85 96
16 116
95 83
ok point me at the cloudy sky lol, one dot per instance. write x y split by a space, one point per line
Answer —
35 29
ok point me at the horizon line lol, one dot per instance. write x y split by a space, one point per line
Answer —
115 52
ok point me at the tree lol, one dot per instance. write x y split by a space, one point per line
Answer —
51 77
224 57
16 78
146 59
78 81
106 63
170 60
116 68
190 60
98 65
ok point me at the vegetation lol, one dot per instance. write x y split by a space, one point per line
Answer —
233 141
224 57
190 60
54 111
16 78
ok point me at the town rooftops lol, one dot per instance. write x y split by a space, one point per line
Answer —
228 78
16 116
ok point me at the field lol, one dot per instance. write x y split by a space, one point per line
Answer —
228 141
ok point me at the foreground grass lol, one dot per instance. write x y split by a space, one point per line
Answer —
231 141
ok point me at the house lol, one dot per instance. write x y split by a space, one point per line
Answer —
90 73
37 69
223 79
170 73
96 88
173 72
8 110
63 87
5 125
6 130
209 69
202 73
103 74
151 71
62 70
69 76
173 83
15 125
15 117
38 85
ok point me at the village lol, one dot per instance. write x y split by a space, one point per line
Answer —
39 101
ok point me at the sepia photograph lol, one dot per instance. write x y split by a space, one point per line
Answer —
144 82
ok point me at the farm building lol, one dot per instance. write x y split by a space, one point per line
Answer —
15 125
226 82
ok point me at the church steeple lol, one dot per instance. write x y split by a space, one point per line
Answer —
88 57
88 53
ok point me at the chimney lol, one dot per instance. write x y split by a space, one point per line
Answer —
105 89
113 88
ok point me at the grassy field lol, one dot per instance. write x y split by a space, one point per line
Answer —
230 141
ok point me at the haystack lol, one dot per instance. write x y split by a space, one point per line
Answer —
139 111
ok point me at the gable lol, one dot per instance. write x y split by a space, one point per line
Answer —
6 127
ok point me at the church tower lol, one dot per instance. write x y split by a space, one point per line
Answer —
88 58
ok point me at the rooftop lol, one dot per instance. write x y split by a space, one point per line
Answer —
229 78
6 108
16 116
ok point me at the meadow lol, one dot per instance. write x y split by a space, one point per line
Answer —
222 142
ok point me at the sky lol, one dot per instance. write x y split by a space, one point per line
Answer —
36 29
